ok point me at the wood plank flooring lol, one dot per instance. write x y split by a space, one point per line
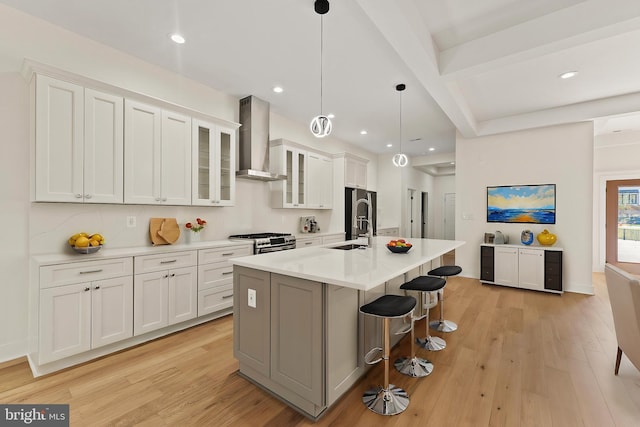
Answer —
519 358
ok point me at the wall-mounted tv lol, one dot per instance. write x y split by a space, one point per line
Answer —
529 204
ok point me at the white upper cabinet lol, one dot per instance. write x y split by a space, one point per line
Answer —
157 155
213 164
355 172
292 162
78 143
319 182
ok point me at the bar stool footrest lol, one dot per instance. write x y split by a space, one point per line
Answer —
391 401
376 351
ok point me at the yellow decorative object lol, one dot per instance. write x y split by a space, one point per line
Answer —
547 239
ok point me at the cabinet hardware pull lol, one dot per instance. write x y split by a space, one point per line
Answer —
224 273
97 287
78 196
87 196
87 289
169 261
165 276
227 296
228 253
91 271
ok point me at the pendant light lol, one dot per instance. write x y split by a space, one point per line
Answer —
400 160
321 125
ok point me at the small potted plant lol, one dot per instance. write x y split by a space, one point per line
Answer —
194 229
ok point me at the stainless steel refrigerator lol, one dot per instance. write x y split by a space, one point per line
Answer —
359 211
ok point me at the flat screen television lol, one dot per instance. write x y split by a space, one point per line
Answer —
528 204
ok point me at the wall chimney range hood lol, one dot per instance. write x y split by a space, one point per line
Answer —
253 147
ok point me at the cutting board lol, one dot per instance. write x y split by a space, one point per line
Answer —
163 231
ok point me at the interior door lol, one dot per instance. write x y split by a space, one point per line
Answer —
623 224
424 215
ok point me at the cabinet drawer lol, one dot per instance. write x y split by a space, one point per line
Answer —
216 299
77 272
308 241
207 256
553 257
159 262
216 274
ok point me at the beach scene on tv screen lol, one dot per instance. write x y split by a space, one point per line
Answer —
533 204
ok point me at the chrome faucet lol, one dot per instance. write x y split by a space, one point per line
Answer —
358 220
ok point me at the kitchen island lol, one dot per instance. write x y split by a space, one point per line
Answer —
297 329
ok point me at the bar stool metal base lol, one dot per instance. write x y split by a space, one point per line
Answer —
443 325
391 401
415 367
431 343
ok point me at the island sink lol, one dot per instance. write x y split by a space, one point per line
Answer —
349 247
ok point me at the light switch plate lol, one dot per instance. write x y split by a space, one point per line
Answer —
251 298
131 221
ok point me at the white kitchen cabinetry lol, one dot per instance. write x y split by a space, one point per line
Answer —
530 267
292 162
306 241
78 143
390 232
319 182
355 172
84 305
214 180
157 155
332 238
165 290
215 278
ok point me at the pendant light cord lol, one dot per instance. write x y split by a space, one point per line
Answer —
321 51
400 122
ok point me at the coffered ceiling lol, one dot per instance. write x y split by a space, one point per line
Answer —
480 67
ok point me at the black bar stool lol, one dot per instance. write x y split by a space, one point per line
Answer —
426 284
414 366
389 399
441 324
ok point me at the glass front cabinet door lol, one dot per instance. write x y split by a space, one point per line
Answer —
213 164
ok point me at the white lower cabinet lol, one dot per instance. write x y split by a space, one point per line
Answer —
506 266
531 269
163 298
215 278
79 317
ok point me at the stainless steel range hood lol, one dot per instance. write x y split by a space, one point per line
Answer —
253 147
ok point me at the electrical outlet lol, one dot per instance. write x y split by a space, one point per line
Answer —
131 221
251 297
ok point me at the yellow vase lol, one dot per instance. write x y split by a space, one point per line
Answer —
547 239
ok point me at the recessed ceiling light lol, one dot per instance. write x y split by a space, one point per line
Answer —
331 116
363 132
389 145
568 74
432 149
177 38
278 89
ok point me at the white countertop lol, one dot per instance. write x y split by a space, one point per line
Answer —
108 253
361 269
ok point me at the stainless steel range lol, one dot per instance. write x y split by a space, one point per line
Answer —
268 242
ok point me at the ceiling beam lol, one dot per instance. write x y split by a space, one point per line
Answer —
400 24
583 23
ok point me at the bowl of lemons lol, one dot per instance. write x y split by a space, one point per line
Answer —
84 243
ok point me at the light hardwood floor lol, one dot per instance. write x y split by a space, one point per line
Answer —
519 358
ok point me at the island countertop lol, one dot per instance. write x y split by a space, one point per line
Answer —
362 269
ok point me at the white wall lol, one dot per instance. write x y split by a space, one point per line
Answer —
615 157
33 228
561 155
443 185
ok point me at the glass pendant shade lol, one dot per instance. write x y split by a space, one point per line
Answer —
320 126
